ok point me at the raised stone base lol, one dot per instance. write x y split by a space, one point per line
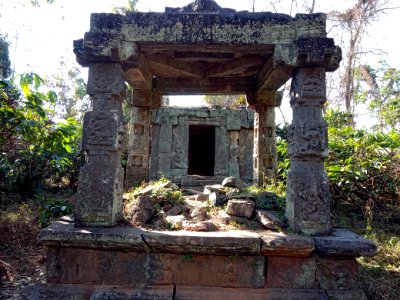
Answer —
131 263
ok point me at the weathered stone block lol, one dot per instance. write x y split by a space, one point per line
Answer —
308 87
337 274
233 120
344 243
105 79
268 219
99 196
221 151
281 244
240 208
346 294
180 142
307 198
96 267
102 133
214 243
203 270
143 211
291 272
308 138
295 294
178 172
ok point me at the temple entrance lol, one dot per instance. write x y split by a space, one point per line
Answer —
201 150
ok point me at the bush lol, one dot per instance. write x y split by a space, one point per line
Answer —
35 150
364 168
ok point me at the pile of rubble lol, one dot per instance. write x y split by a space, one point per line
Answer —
229 205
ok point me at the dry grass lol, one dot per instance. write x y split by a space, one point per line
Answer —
379 275
19 250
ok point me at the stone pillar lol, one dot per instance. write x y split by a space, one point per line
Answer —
137 168
100 187
308 205
264 157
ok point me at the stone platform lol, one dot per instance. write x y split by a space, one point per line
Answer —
132 263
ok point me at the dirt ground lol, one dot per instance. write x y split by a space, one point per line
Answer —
27 270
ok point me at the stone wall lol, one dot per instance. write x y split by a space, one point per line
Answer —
132 263
170 140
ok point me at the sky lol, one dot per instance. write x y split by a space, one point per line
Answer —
41 37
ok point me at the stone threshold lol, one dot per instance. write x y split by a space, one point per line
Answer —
341 243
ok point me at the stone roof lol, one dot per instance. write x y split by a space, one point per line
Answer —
205 49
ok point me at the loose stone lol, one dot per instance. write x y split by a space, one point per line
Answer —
240 208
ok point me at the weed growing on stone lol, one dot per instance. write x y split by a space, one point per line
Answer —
188 257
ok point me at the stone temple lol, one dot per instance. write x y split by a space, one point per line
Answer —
202 49
192 146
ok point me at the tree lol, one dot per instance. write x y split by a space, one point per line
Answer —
225 100
33 148
379 89
354 23
5 63
72 100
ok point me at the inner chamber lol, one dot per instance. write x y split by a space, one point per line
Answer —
201 150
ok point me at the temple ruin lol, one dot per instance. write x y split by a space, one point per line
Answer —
202 49
191 146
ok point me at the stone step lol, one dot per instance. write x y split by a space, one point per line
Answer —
86 292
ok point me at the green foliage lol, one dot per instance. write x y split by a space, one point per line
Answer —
364 165
225 100
52 209
283 163
38 2
70 88
379 89
33 148
129 7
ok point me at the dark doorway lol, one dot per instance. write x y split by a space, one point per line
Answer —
201 150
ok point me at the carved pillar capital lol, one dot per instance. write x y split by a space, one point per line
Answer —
106 78
308 87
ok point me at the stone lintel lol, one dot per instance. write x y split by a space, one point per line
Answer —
344 243
198 86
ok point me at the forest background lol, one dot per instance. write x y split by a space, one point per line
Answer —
41 122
